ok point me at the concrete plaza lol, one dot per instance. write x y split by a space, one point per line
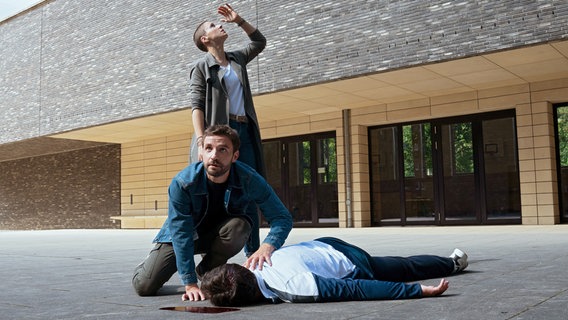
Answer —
515 272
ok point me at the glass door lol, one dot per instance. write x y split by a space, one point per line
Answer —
299 180
327 207
418 172
386 179
449 171
457 172
561 116
303 172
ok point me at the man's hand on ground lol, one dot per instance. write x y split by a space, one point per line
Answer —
192 293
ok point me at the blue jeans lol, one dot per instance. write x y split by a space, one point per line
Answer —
378 278
246 155
246 151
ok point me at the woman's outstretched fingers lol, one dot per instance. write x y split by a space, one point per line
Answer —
431 291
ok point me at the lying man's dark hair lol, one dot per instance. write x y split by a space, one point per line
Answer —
231 285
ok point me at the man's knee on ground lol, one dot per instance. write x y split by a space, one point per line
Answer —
143 287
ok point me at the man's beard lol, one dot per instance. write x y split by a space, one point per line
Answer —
217 170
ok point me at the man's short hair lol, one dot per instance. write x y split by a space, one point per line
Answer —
226 131
230 285
200 32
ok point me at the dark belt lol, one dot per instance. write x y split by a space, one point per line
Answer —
238 118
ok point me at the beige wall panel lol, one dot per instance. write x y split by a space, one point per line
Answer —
409 114
525 143
530 220
363 178
542 118
292 130
546 211
327 125
152 163
179 140
545 187
148 144
328 116
360 172
523 109
410 104
504 102
543 153
132 157
133 185
132 178
268 133
370 119
126 151
541 107
152 212
544 164
292 121
161 175
550 84
365 197
155 153
554 96
157 183
527 165
503 91
177 152
548 220
154 222
453 98
174 169
360 155
545 175
456 108
525 122
528 188
156 189
361 206
528 199
543 130
267 124
132 224
524 132
381 108
134 208
529 210
162 197
180 158
133 164
544 141
129 171
528 176
526 154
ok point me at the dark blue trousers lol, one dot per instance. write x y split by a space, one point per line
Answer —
380 277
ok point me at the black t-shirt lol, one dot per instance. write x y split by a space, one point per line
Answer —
216 212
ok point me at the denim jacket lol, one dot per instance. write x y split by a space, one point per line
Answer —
188 199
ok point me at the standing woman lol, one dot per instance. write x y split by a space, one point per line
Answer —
220 91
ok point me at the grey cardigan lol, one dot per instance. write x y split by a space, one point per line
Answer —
208 92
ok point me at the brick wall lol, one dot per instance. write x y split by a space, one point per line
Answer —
77 189
71 64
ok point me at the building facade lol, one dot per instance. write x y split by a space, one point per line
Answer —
372 112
